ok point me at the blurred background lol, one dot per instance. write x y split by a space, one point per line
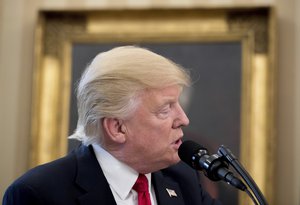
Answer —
18 19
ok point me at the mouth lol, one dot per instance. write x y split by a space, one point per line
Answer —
177 143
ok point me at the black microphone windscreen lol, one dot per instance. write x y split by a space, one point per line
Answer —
187 150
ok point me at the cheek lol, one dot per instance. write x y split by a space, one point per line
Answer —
161 132
150 131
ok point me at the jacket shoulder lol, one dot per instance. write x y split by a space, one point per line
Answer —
32 187
51 171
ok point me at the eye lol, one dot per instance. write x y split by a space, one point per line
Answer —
167 108
164 112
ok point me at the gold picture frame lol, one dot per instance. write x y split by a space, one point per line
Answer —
253 27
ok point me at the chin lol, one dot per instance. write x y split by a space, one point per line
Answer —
175 160
171 160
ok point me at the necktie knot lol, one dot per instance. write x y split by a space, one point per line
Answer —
141 184
141 187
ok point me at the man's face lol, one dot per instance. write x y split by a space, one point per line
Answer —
153 133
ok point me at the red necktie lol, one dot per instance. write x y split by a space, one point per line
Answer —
141 187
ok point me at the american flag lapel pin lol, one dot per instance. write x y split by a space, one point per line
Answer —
171 192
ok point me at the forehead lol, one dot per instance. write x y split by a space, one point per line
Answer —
161 95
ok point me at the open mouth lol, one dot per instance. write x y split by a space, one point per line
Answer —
177 143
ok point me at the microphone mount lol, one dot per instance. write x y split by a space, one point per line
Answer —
216 167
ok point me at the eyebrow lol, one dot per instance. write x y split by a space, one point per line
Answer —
167 101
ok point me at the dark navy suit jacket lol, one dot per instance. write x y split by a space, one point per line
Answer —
77 179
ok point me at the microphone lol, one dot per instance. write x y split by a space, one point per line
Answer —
214 166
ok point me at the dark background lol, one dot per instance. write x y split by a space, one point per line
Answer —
214 99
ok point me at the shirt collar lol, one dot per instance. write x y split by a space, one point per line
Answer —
120 176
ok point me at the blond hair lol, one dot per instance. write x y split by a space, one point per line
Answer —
110 85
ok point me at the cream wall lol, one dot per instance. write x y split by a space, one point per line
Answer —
17 20
288 155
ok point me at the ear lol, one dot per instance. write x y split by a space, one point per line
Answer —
114 129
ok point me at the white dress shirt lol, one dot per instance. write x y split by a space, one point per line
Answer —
121 178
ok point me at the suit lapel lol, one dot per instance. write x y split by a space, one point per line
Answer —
166 190
91 179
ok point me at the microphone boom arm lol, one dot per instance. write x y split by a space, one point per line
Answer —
230 158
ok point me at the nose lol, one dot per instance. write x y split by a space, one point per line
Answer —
181 119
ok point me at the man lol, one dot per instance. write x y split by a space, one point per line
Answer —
129 124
